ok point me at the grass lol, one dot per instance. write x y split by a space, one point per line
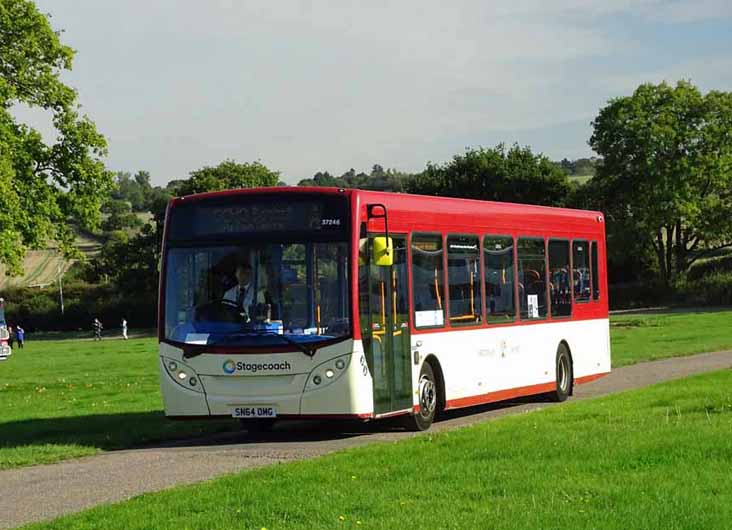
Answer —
64 399
636 338
653 458
68 398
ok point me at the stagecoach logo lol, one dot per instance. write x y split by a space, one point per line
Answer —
229 366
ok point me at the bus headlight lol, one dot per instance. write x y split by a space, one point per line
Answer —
327 372
182 374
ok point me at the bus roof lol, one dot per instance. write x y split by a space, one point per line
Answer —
407 199
404 205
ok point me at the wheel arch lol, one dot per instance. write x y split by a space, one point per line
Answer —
440 380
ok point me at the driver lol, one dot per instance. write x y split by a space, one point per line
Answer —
242 294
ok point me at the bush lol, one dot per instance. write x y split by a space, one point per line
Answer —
712 289
709 267
40 309
639 294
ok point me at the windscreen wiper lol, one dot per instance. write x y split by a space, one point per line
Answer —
309 351
194 350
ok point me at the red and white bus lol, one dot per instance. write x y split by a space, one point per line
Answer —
331 303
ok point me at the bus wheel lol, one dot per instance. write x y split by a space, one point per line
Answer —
564 374
254 426
427 390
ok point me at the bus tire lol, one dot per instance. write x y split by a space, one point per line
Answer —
563 374
428 395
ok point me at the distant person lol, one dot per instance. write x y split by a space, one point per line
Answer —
20 336
97 327
11 336
124 328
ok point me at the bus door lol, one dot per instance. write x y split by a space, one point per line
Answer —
385 326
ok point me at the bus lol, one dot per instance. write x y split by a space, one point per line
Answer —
327 303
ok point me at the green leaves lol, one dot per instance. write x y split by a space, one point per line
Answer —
31 57
43 186
498 174
667 169
227 175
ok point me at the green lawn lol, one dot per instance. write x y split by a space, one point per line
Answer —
659 457
636 338
67 398
62 399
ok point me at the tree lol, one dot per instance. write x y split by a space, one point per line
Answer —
666 171
43 185
497 174
228 175
133 189
323 179
379 179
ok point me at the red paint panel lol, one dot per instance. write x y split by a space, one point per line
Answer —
500 395
588 378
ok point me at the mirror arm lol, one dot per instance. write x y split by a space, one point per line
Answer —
371 215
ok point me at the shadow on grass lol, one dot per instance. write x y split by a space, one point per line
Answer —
153 430
105 431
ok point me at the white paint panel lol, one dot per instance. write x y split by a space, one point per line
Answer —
284 389
479 361
474 362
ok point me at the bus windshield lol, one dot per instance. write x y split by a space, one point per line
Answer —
257 295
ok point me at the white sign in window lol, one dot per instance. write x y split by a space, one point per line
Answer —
429 318
532 301
197 338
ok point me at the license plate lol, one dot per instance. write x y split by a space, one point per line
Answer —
254 412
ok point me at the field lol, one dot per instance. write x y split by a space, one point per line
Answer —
43 267
67 398
63 399
647 337
652 458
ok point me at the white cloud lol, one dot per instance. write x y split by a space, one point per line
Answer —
316 85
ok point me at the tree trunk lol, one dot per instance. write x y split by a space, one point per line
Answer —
661 255
669 255
681 251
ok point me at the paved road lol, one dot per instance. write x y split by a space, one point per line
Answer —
48 491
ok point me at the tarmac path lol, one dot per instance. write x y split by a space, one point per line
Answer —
48 491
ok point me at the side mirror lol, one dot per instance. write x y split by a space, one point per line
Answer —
383 255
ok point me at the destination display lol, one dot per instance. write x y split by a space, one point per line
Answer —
257 215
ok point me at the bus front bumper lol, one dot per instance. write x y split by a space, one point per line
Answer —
337 387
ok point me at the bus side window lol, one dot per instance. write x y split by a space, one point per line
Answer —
532 277
581 279
595 273
498 261
463 279
427 281
559 285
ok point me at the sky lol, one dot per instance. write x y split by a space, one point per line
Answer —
176 85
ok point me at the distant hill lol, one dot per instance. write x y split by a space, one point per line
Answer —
43 267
